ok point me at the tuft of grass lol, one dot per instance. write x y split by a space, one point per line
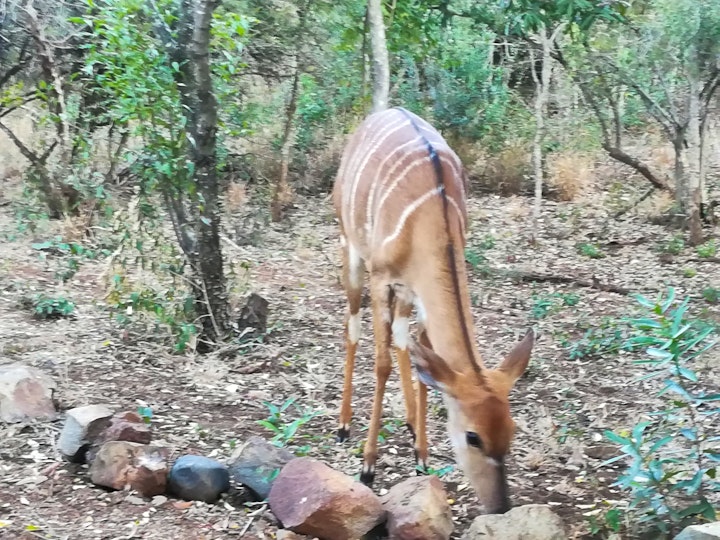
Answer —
571 174
706 250
674 246
589 250
689 272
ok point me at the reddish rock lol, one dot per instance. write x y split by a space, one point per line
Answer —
284 534
25 394
417 509
142 467
126 426
308 497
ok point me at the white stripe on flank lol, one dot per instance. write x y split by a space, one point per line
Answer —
358 172
376 180
370 131
454 204
397 181
417 203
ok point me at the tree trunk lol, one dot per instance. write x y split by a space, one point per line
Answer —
694 182
206 258
542 91
380 59
282 194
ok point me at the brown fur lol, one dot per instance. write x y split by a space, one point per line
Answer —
425 260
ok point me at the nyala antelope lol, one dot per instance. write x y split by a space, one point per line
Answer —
400 196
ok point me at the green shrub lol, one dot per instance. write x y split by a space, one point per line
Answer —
672 455
706 250
49 307
590 250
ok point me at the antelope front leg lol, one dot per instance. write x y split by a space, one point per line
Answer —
381 295
400 333
421 444
353 269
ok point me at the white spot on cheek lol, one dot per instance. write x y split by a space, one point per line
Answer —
354 328
458 440
400 330
492 461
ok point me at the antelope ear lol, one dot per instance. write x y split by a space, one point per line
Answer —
432 370
516 362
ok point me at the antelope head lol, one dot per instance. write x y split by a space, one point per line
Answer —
479 422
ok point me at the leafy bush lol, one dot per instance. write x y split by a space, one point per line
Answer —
609 337
674 246
544 305
284 432
706 250
711 295
49 307
673 455
589 250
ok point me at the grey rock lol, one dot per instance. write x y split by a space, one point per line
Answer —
256 463
529 522
706 531
198 478
25 394
83 425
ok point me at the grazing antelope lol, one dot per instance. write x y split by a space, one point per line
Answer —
400 199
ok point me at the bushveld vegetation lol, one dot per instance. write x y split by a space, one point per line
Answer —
162 159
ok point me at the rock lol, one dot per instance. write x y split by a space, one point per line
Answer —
308 497
121 463
82 427
417 509
530 522
256 463
198 478
126 426
25 394
706 531
284 534
252 322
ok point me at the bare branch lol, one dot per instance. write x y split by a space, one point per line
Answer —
31 156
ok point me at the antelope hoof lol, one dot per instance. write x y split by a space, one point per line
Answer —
421 468
367 476
343 433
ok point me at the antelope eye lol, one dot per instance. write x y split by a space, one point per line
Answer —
473 439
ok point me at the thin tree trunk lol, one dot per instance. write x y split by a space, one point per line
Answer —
542 91
380 59
207 259
365 74
694 162
282 194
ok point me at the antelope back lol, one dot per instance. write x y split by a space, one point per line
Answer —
397 170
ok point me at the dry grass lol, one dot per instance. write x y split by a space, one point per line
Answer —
657 205
508 171
570 174
236 197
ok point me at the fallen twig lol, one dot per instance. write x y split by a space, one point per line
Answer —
592 283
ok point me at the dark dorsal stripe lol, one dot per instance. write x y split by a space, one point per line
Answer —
435 159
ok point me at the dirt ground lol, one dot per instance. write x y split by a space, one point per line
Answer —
208 404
